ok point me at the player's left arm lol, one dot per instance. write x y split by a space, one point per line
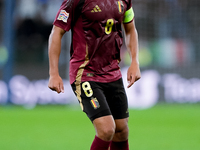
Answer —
131 39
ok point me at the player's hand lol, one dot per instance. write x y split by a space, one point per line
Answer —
56 84
133 74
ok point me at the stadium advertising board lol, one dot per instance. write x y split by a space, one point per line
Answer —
152 88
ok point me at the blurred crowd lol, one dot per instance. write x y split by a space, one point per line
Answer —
1 17
34 20
175 19
167 18
38 10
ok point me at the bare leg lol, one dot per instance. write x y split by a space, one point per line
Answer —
120 138
122 130
105 127
105 130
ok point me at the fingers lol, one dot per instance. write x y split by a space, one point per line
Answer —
131 80
59 88
130 84
62 88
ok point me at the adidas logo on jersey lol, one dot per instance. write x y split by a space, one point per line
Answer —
96 9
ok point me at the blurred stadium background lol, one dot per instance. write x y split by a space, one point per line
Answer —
164 104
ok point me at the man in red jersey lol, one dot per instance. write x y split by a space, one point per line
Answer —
95 75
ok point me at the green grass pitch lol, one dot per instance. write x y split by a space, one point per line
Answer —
163 127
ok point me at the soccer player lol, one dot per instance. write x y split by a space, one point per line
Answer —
95 75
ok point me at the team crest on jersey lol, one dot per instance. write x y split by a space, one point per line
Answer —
120 6
63 16
95 103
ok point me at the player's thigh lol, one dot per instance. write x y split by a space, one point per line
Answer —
92 99
117 100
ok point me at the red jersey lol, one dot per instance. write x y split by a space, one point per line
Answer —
96 38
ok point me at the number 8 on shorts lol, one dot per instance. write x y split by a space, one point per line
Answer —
87 89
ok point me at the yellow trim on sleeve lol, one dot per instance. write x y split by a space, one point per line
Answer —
129 15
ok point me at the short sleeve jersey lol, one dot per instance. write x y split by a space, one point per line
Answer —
96 37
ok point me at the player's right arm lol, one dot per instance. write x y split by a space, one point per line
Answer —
54 49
